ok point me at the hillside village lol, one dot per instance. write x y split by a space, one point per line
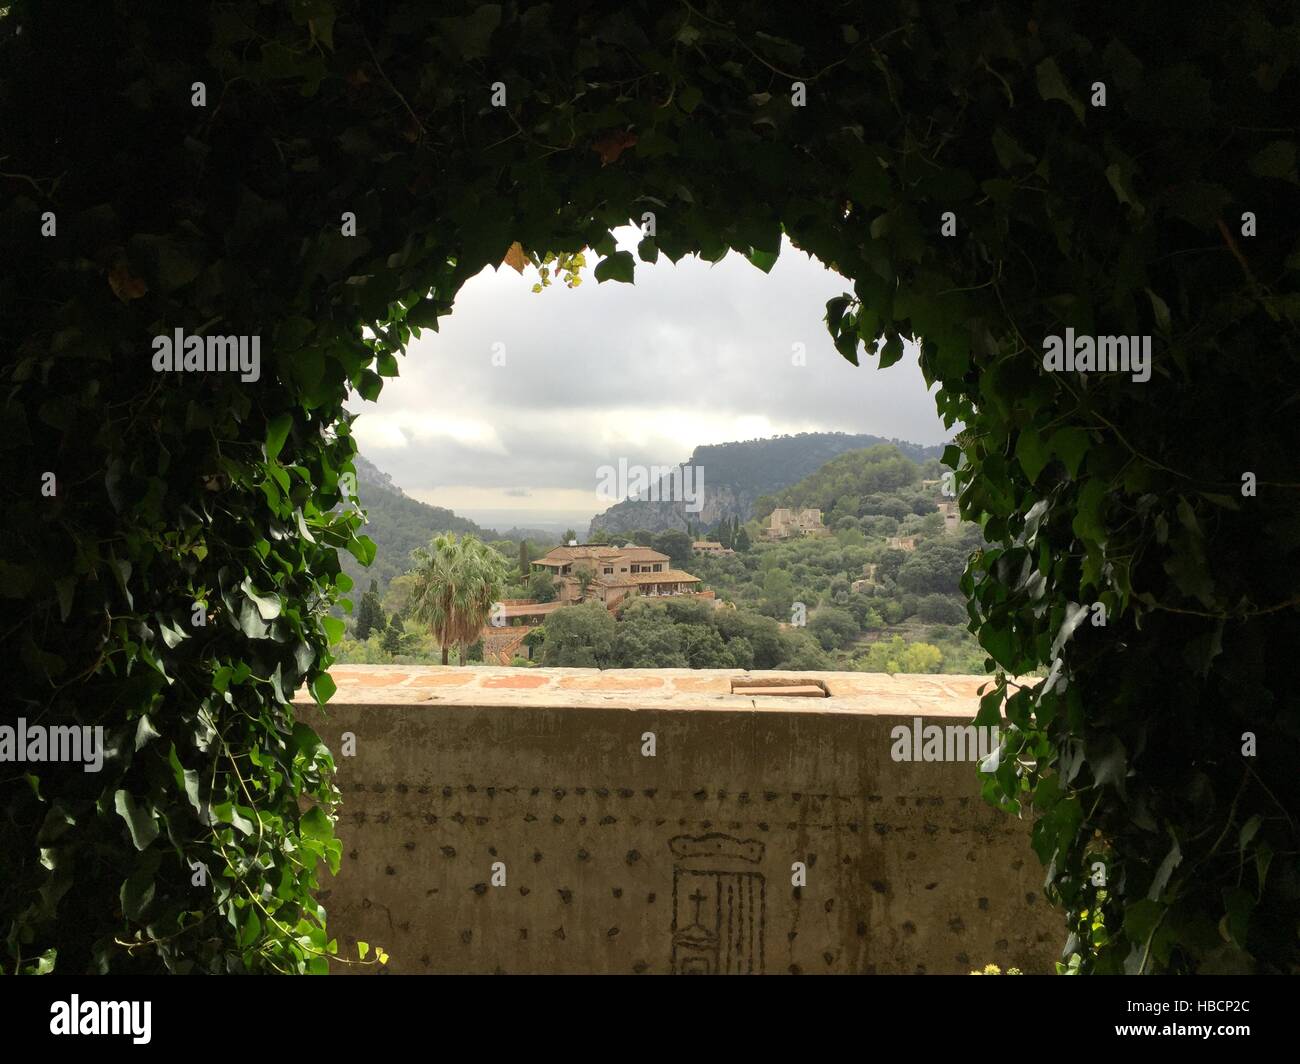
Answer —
854 566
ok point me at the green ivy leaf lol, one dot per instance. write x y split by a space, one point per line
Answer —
251 930
1052 86
362 548
1032 454
137 894
277 431
139 819
268 606
891 352
316 825
145 732
323 688
620 266
1171 861
1069 445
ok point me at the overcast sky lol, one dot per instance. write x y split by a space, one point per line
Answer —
692 353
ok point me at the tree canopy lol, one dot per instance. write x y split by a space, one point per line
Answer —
324 175
457 582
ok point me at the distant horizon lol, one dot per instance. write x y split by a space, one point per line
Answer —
557 521
504 520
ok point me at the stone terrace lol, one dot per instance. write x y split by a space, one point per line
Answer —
515 820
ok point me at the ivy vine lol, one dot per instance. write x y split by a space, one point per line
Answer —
174 587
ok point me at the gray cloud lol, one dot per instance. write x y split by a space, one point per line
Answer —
693 353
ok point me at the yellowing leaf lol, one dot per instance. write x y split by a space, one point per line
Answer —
612 145
516 257
125 285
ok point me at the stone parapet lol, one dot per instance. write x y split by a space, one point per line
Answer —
658 821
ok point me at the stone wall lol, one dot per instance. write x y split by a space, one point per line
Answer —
509 820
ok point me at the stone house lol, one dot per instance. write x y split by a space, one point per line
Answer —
786 523
867 580
612 574
709 546
951 518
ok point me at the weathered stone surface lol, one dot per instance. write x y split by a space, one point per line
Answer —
621 863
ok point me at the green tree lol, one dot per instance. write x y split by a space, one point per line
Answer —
585 576
778 593
740 653
940 609
569 537
370 614
761 633
833 628
799 650
397 599
742 543
893 611
934 568
704 647
580 637
647 638
392 641
898 655
677 545
524 559
890 564
541 586
457 581
921 657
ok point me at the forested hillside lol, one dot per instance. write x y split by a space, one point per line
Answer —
736 475
867 604
397 524
879 480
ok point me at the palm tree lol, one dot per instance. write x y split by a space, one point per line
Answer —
456 583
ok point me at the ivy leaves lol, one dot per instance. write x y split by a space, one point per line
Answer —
139 819
179 582
620 266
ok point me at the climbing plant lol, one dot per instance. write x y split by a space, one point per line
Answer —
324 175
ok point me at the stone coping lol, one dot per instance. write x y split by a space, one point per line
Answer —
865 693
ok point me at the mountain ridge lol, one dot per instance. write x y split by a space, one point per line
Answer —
738 473
397 524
